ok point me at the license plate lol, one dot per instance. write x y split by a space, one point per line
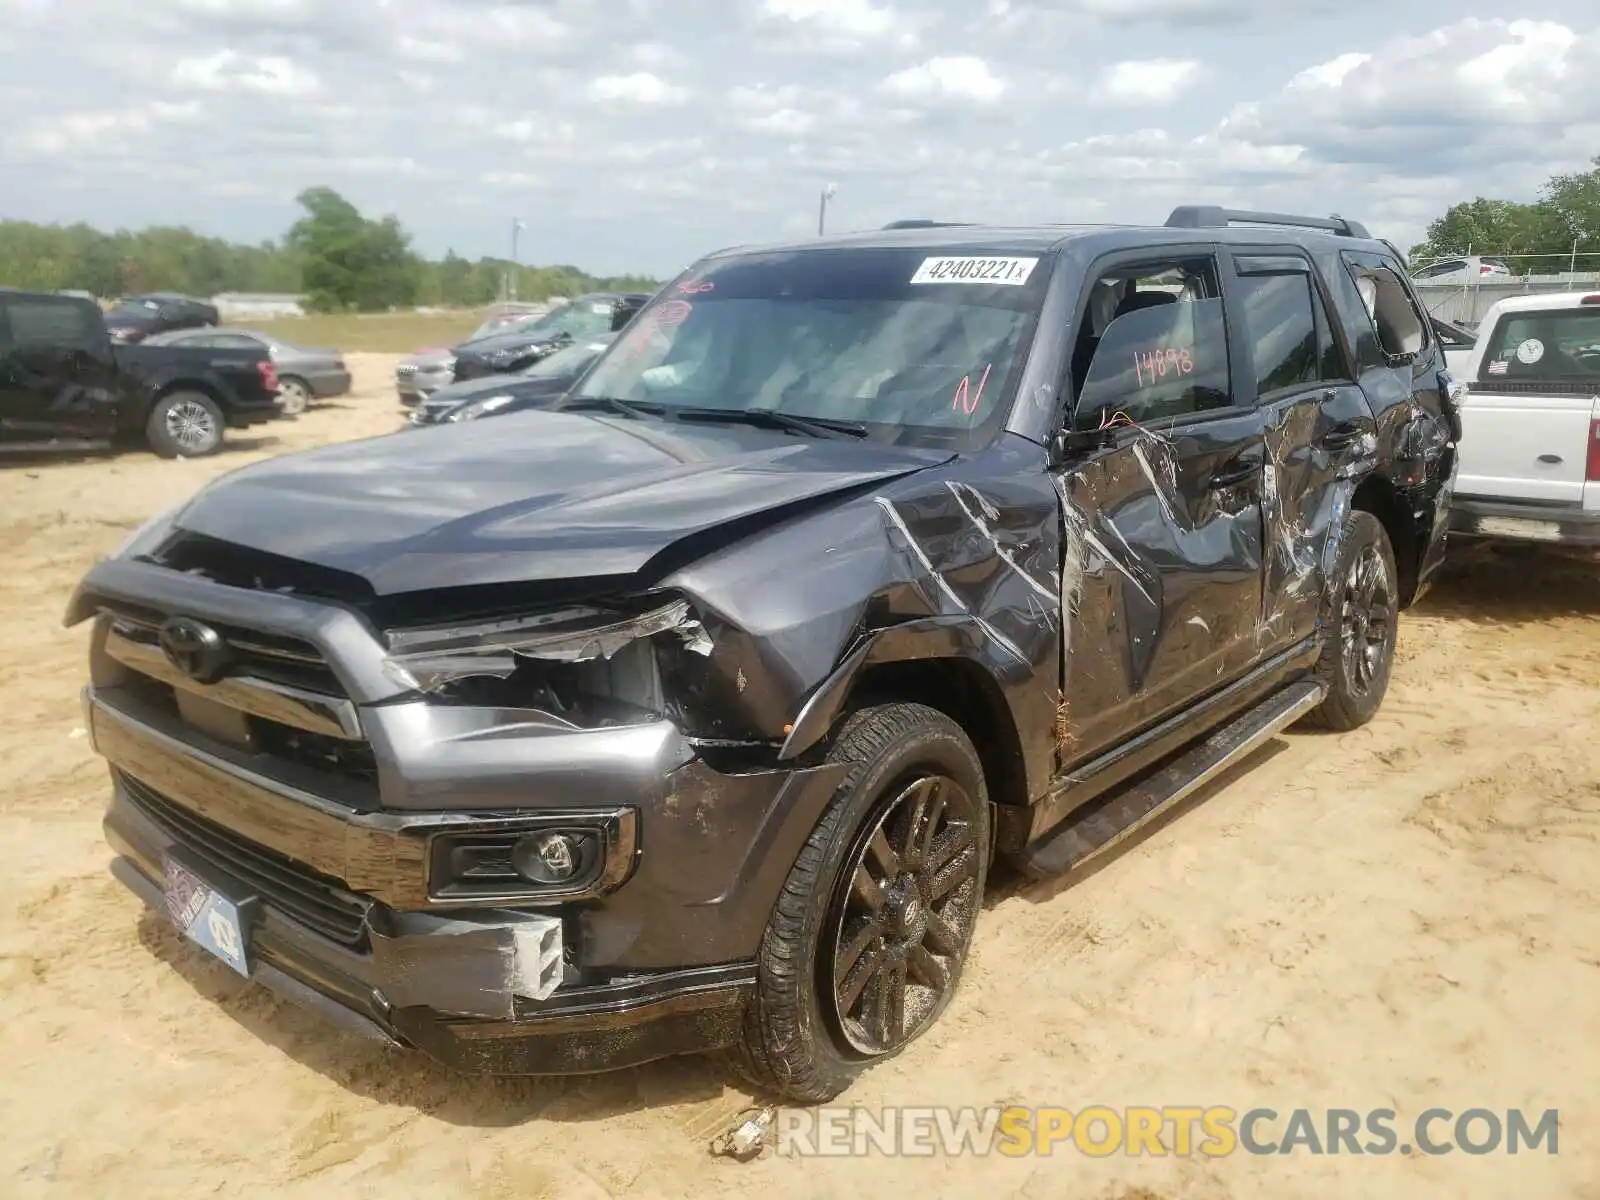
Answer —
205 916
1520 527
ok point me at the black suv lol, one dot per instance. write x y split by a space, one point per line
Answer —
135 318
526 343
693 712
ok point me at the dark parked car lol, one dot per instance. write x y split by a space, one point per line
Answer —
528 342
135 318
64 384
304 373
494 395
692 712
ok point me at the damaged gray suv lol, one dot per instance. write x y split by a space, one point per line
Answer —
693 713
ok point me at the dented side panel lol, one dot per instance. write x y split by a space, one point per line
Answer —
1320 445
1162 577
961 563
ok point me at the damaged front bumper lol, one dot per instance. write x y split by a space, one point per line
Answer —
371 834
573 987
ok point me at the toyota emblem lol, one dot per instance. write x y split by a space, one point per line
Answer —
195 649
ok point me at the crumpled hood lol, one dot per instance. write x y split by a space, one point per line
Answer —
529 497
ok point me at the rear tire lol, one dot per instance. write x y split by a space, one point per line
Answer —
294 396
1363 622
869 936
185 425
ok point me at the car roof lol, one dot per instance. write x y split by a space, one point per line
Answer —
1542 301
1041 239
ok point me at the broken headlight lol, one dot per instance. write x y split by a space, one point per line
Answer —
585 666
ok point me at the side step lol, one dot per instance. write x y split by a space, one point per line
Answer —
58 446
1111 819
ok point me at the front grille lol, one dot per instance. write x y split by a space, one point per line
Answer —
278 659
313 900
340 757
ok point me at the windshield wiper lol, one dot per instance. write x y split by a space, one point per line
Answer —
615 404
772 419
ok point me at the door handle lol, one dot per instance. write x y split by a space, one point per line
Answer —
1341 437
1234 474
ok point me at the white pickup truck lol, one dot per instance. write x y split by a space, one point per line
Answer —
1529 396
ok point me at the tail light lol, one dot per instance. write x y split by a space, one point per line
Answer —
1590 300
1485 269
1592 473
269 374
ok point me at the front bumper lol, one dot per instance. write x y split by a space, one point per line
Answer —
662 949
444 983
1549 524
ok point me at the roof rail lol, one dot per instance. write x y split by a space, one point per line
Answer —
924 223
1203 216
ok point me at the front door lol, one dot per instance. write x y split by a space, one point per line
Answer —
57 373
1162 521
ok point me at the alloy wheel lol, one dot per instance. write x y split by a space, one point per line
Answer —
908 904
1367 623
293 396
192 426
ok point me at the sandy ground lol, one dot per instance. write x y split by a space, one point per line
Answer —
1405 917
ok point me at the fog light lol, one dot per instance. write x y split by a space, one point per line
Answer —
552 857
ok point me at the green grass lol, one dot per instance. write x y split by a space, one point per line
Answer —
392 333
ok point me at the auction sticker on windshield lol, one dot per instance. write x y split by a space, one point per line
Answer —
1010 272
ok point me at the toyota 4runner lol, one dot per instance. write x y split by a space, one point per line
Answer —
692 713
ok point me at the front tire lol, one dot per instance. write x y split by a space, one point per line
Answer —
185 425
1363 623
867 942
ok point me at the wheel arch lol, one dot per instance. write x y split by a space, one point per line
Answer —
959 685
1378 495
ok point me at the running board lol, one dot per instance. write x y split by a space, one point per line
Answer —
1113 819
58 446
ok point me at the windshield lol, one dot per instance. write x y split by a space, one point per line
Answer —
134 308
915 347
579 319
568 361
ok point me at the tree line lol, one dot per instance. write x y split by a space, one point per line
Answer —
336 257
1565 216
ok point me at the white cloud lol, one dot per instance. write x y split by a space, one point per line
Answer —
961 77
1148 81
1332 73
856 18
226 70
639 88
643 133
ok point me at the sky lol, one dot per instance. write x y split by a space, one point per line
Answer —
635 135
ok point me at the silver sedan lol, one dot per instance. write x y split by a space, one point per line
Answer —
304 374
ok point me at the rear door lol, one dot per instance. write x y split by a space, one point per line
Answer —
1319 433
57 373
1162 538
1527 418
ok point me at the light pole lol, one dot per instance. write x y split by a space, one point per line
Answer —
511 276
822 207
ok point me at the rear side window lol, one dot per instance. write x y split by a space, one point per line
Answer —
1562 346
1401 327
41 321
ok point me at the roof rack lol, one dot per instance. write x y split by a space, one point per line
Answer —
1202 216
924 223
